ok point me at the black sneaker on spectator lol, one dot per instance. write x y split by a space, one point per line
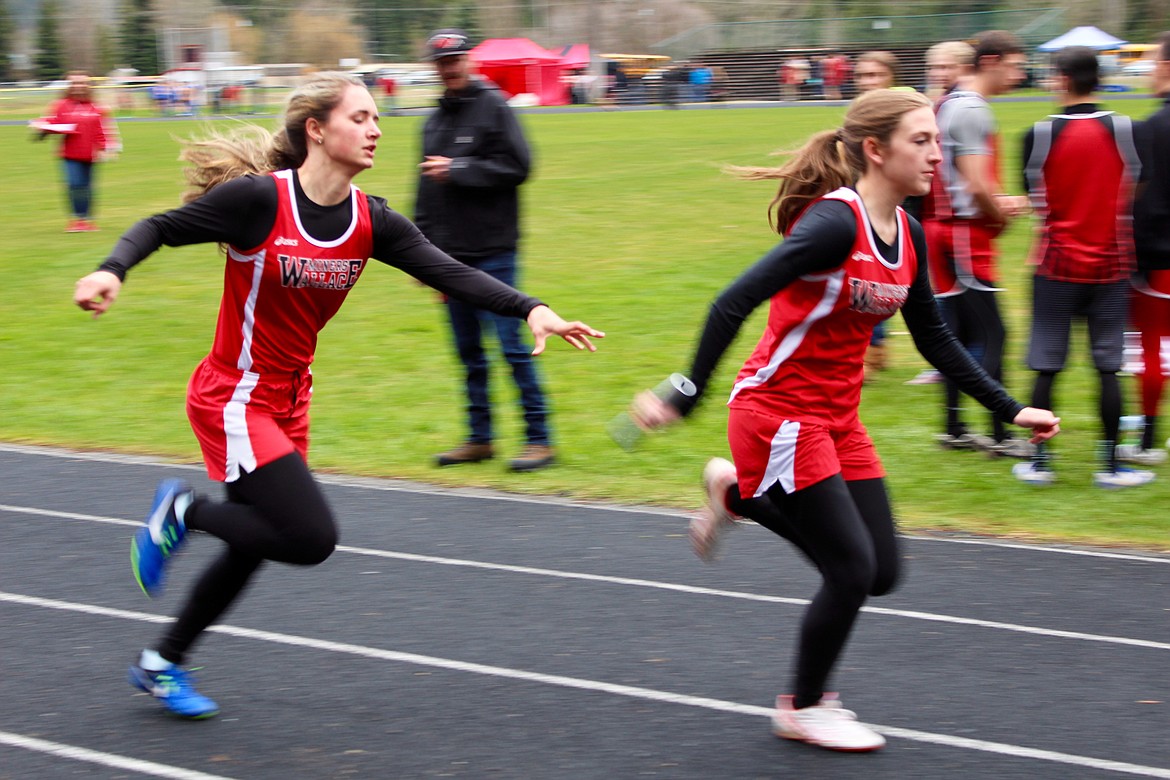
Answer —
1011 447
959 441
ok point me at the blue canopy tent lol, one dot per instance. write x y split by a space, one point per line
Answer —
1083 36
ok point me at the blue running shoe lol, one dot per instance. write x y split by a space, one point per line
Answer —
173 687
162 536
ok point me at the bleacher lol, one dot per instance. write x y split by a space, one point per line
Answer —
755 75
752 53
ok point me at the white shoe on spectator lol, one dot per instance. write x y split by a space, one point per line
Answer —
1122 478
1032 473
1133 453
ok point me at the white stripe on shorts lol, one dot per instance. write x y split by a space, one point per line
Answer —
235 427
781 459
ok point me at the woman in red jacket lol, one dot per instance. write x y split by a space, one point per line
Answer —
90 136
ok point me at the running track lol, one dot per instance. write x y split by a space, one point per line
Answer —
475 635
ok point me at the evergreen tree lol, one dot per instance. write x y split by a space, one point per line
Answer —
270 19
1147 18
6 41
107 49
139 39
467 19
49 62
397 28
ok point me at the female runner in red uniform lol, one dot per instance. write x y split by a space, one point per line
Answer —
297 234
804 465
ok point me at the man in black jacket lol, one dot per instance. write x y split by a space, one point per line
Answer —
474 160
1151 233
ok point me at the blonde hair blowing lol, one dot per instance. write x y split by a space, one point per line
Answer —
959 52
832 159
220 157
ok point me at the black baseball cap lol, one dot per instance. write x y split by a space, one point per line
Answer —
447 43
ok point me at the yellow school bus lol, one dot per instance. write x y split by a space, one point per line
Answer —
637 65
1132 52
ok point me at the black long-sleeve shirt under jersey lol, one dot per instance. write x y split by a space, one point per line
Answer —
820 242
241 212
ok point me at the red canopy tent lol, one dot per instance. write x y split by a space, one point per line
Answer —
518 65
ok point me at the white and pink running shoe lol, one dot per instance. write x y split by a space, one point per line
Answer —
826 724
714 518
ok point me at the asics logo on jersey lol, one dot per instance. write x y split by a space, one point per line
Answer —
861 257
876 297
318 273
282 241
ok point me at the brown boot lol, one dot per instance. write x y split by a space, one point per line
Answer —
468 452
875 361
533 457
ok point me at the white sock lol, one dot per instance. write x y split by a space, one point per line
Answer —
183 502
151 661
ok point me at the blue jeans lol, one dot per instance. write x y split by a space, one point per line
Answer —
467 325
79 181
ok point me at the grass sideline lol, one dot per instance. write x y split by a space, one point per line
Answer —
630 225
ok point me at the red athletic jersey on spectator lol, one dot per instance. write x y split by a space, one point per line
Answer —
808 364
1081 175
278 296
962 115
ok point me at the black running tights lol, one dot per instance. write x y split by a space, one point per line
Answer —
275 513
1108 407
973 316
847 530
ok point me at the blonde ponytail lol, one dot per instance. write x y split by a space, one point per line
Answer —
221 157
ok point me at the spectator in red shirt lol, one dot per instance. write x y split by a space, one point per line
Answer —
1080 168
834 68
90 136
389 89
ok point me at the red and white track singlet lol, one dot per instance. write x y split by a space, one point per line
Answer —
248 400
806 370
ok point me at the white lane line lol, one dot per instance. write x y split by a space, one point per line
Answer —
745 596
367 483
1025 752
28 510
399 486
631 691
104 759
671 586
1032 548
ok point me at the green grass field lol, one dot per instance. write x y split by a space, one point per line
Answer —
630 225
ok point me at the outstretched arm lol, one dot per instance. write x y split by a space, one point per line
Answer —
819 242
97 292
240 211
545 322
399 243
1044 424
940 347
